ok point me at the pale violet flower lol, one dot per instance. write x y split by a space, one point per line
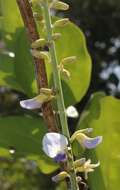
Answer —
36 102
92 142
84 140
30 104
72 112
55 146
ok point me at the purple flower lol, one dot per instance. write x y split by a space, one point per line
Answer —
30 104
55 145
36 102
61 157
84 140
92 142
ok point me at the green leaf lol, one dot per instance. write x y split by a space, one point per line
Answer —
24 65
25 134
7 76
104 118
10 20
11 16
92 110
72 43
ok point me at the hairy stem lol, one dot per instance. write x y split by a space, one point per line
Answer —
58 87
41 76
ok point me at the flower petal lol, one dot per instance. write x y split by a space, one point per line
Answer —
80 134
92 142
61 176
72 112
80 162
61 157
30 104
86 131
95 165
54 144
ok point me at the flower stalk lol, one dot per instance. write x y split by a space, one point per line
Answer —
58 88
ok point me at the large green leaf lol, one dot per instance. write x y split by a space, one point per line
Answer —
103 117
11 16
25 134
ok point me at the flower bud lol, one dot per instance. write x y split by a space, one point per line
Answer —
61 22
61 176
59 5
72 112
46 91
79 163
41 55
87 167
65 73
56 36
67 60
38 43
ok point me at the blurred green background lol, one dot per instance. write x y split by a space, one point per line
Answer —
100 22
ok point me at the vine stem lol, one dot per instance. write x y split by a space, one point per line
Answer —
41 76
58 88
